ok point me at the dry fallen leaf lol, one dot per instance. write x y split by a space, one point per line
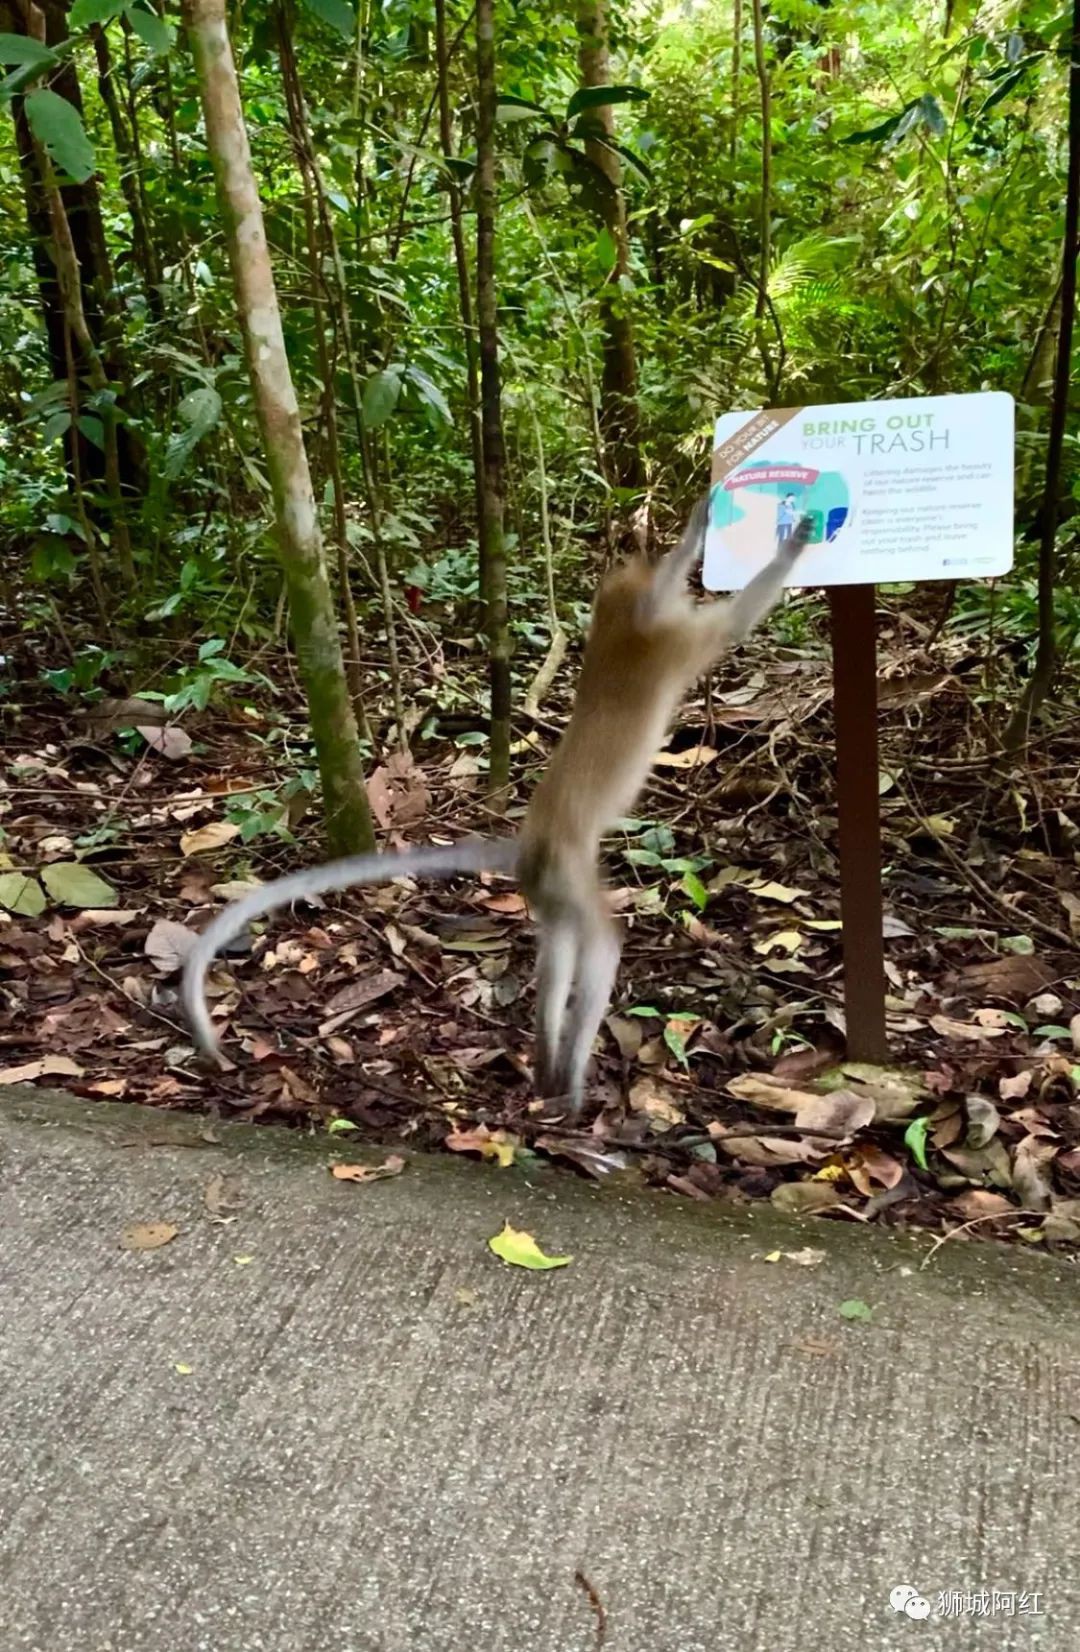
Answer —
392 1166
214 835
769 891
1016 1087
948 1028
102 917
653 1099
820 1347
867 1163
170 740
357 996
46 1066
695 757
765 1092
147 1235
783 940
168 944
1031 1172
978 1202
511 902
771 1150
839 1111
221 1195
490 1144
110 1087
1015 977
804 1198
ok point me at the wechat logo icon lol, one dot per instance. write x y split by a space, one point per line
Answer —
908 1600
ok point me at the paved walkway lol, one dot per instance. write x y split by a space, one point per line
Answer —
369 1435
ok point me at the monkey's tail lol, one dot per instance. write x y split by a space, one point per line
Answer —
430 860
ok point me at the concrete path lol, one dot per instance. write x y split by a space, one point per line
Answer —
373 1436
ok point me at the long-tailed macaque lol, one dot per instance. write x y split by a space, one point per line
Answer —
647 643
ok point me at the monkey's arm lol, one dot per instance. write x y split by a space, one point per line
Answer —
668 586
725 624
435 860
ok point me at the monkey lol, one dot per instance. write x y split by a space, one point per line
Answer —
647 643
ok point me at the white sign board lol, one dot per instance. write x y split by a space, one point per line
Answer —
896 490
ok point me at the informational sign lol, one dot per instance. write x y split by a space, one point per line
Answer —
915 489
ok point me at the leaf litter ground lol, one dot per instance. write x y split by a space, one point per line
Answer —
401 1015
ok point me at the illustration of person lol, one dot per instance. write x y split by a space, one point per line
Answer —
785 518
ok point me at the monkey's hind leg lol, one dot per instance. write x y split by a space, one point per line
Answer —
556 962
597 964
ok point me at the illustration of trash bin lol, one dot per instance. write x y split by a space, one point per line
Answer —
817 524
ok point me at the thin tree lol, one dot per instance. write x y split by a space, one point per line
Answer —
493 494
304 151
461 266
761 303
70 286
1042 674
348 817
618 403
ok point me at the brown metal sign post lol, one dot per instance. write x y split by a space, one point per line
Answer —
855 719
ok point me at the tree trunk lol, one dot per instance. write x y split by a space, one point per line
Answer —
69 284
348 818
301 137
86 231
1046 648
765 219
492 510
461 265
142 242
618 405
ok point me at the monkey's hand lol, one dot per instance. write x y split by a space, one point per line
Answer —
792 548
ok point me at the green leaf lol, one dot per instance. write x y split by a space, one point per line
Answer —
18 80
1003 88
856 1309
697 891
911 117
522 1251
338 13
94 431
930 109
340 1127
1051 1031
1022 945
676 1032
381 394
883 129
72 884
58 126
22 894
85 12
607 252
508 108
52 558
915 1139
58 425
595 97
151 30
429 393
20 48
200 411
634 161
